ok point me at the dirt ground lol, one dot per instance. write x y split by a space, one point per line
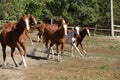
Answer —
102 62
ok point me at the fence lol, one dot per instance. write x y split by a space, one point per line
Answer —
104 31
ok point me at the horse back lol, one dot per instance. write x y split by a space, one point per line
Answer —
10 26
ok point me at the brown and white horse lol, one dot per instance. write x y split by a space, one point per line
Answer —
83 32
12 25
15 39
71 39
57 35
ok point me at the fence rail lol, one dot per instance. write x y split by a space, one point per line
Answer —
97 30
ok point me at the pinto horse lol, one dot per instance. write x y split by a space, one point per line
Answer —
71 39
15 39
12 25
83 32
57 35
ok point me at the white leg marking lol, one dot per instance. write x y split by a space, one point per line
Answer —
38 39
24 62
74 45
72 51
84 51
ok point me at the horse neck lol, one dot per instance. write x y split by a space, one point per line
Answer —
20 27
61 32
83 33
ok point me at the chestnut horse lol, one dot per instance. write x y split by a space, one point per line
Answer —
42 26
12 25
41 29
15 39
71 39
83 32
57 35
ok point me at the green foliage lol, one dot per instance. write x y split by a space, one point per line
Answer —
83 12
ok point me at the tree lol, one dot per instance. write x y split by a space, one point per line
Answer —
11 9
83 12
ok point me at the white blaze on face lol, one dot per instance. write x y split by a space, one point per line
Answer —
27 24
77 29
63 21
88 32
35 21
65 29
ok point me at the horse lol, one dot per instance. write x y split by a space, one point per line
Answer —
15 39
57 35
40 28
12 25
83 32
71 39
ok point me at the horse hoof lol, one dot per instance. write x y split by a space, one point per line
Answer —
21 63
16 65
25 66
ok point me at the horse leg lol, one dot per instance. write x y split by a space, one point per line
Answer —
29 37
74 45
51 44
46 44
39 36
57 48
15 62
4 53
24 49
77 44
72 50
82 48
22 55
52 51
62 48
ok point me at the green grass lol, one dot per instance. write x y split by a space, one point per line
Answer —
105 42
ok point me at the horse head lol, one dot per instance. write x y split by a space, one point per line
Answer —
85 30
32 20
23 23
88 31
64 25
